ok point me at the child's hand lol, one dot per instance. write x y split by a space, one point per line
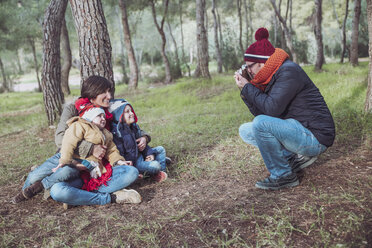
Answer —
96 172
59 166
121 162
150 158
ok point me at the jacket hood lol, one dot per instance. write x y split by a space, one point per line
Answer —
117 107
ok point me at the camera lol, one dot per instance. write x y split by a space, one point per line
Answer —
244 72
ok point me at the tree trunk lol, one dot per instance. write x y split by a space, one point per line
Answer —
67 59
51 72
239 6
287 32
218 50
5 82
19 64
168 76
36 64
177 73
355 34
368 103
133 68
94 40
318 35
122 62
180 2
342 28
201 41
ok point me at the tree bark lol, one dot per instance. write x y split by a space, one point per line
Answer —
31 41
355 34
178 72
5 83
122 62
94 40
342 28
160 28
201 42
368 102
218 50
287 32
133 68
180 2
67 59
239 6
51 71
20 70
318 35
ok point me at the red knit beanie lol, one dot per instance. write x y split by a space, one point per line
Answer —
262 49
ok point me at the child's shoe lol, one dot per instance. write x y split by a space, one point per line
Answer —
160 177
168 160
127 196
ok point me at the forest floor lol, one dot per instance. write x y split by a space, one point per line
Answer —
209 199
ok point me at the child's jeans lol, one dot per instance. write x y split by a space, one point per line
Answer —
152 167
48 178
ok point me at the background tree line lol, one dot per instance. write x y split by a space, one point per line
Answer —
167 39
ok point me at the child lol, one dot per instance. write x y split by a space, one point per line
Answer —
90 127
126 133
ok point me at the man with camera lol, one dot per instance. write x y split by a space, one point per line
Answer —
292 123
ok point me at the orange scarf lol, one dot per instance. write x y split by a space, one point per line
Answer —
263 77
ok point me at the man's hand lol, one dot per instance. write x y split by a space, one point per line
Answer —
150 158
141 143
240 80
99 151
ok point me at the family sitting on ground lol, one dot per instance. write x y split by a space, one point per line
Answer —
292 126
95 165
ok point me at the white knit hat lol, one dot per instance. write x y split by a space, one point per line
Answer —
91 112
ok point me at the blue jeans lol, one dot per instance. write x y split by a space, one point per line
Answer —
152 167
48 178
70 192
277 140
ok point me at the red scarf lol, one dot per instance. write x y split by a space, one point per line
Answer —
81 102
263 77
91 184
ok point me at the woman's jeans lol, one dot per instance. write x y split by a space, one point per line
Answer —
152 167
278 140
70 192
48 178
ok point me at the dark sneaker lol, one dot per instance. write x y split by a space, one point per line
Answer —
33 189
168 160
283 182
18 198
300 162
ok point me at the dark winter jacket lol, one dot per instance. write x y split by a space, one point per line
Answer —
292 94
125 135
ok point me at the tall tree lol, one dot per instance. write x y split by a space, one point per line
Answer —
133 81
342 28
3 74
286 30
355 34
180 4
318 35
160 28
31 42
201 42
368 103
239 7
51 71
177 73
215 27
94 40
67 59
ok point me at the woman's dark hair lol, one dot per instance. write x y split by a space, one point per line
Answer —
95 85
